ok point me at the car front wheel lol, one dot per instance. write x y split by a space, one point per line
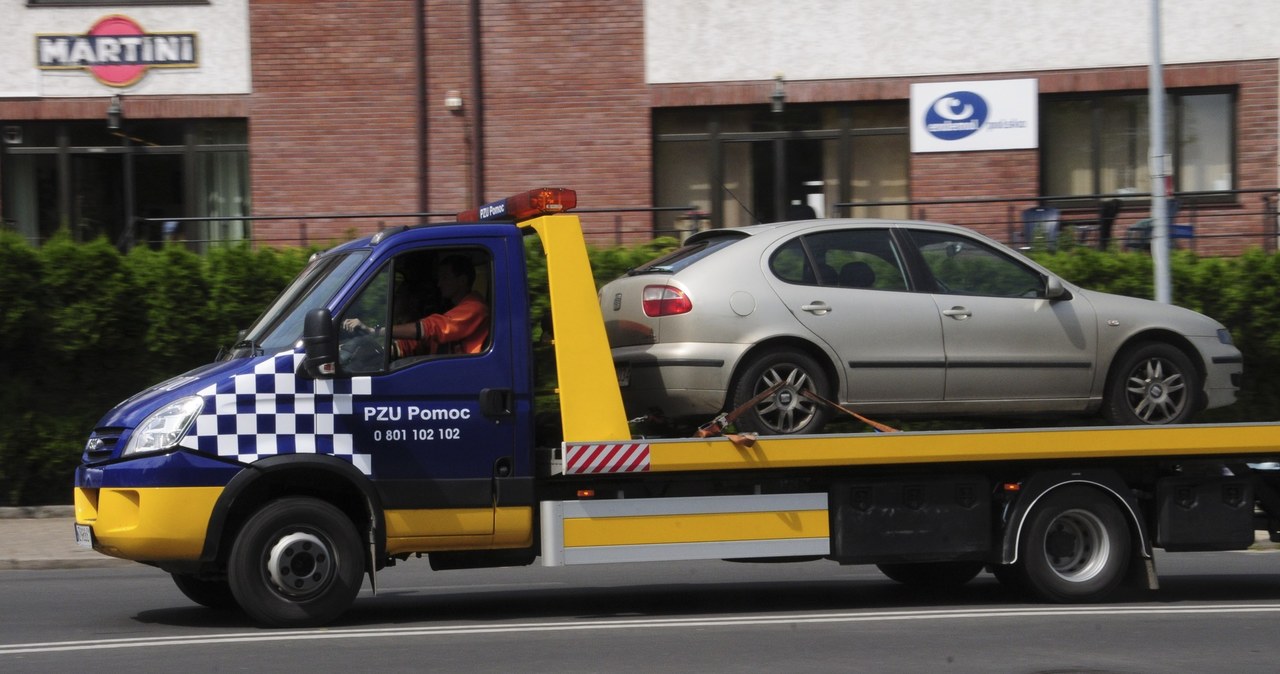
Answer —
1154 383
786 411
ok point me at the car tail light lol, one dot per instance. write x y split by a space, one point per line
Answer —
665 301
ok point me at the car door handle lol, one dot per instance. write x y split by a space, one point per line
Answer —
816 308
958 313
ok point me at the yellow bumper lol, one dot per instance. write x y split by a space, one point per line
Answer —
147 525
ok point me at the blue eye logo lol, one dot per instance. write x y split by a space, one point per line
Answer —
956 115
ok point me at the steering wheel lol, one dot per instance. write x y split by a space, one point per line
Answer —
362 354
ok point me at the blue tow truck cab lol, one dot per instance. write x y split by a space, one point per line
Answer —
328 445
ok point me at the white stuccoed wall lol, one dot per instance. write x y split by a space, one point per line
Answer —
728 40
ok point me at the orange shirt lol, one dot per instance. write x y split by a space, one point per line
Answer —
462 329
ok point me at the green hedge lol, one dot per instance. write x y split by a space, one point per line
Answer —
82 327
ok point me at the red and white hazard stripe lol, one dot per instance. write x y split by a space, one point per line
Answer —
627 457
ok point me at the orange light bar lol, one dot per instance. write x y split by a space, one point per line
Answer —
542 201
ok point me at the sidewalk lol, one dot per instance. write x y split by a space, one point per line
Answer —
44 538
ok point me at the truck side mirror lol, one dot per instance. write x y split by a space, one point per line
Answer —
319 344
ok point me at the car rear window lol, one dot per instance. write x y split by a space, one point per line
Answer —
685 255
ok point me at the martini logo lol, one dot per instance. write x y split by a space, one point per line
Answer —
956 115
117 51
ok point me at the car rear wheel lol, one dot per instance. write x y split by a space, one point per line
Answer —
786 411
1154 383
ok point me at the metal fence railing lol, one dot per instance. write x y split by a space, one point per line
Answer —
1223 222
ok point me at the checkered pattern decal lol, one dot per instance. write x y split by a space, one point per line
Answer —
272 411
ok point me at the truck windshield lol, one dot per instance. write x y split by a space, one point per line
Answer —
280 326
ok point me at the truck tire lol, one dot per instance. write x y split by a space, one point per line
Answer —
215 594
1152 383
786 412
1076 547
932 574
296 563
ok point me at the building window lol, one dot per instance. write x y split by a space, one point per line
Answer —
746 165
1101 145
89 181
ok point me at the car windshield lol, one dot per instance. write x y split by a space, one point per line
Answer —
280 326
685 255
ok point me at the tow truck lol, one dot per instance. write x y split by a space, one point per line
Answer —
281 477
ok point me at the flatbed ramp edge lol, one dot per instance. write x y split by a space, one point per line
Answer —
769 452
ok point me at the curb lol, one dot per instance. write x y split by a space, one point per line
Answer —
39 538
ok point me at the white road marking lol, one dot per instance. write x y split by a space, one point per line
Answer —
628 623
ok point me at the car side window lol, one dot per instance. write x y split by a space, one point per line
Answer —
964 266
791 264
849 258
858 258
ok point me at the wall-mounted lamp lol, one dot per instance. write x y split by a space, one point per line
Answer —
115 113
453 101
778 98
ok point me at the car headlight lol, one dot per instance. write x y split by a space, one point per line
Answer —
165 427
1224 336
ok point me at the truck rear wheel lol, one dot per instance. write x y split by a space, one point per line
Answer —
1076 547
297 562
932 574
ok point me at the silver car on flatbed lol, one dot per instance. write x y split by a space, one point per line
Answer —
905 319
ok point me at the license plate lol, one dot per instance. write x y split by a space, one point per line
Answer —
84 536
624 374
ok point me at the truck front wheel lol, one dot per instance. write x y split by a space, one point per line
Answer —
296 563
1076 547
215 594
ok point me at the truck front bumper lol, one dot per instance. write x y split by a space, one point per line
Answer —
150 509
150 524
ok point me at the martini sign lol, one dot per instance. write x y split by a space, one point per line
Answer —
117 51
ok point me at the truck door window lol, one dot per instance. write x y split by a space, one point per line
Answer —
362 340
423 304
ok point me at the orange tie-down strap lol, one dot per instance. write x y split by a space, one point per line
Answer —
883 428
716 426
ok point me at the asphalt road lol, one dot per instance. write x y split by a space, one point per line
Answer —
1215 612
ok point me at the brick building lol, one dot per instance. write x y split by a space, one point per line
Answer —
116 116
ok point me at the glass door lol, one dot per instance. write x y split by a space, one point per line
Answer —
98 203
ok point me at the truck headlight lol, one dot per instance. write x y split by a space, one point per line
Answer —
165 427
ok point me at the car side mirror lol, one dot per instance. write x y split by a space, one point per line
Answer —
1055 291
319 344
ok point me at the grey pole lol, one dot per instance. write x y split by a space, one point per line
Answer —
1160 168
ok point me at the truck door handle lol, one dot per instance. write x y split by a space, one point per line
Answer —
497 402
958 313
818 308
